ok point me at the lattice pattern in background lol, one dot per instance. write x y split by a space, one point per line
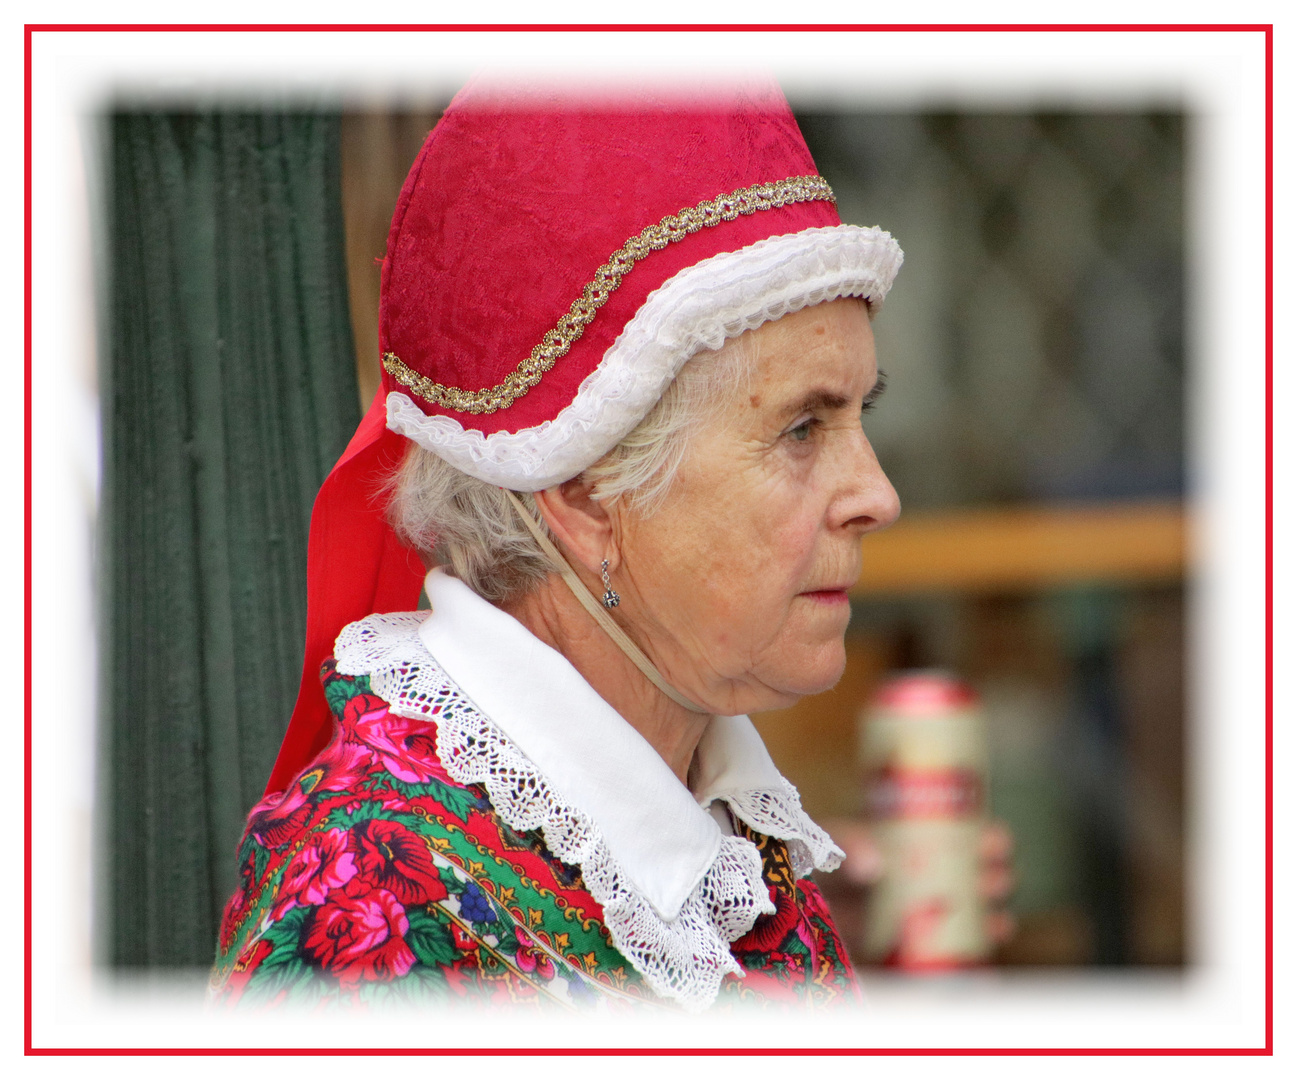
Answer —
1035 337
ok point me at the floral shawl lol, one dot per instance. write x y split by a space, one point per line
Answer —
376 877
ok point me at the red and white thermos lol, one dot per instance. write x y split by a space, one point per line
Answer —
923 752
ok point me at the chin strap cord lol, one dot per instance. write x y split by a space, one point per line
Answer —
605 621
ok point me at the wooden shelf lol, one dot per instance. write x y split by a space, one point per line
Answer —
1026 549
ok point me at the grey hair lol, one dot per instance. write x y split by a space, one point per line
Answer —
468 525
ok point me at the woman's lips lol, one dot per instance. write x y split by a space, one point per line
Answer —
827 596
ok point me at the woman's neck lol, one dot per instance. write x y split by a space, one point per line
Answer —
552 613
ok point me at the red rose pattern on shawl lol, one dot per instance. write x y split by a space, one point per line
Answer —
322 864
374 875
393 858
405 747
360 936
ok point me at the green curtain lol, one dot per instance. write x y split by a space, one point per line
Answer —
228 391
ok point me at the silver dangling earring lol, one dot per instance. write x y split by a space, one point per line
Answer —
610 598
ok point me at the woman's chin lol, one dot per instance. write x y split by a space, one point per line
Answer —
817 672
770 691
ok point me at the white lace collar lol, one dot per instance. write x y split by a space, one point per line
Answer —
514 715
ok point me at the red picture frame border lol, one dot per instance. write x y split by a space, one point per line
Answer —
765 1050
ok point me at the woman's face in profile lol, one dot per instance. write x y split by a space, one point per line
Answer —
740 579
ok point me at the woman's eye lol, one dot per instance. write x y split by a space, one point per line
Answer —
802 431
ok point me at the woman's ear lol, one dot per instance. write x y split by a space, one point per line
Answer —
581 523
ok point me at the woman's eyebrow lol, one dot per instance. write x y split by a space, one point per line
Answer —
816 401
824 400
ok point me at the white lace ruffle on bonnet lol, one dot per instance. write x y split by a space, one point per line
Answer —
697 309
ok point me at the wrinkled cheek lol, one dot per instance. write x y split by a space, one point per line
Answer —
786 555
766 577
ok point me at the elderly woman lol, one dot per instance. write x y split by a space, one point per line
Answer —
626 349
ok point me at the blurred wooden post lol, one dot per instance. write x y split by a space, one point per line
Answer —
1026 548
378 149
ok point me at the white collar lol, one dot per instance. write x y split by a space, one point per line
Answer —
603 796
658 831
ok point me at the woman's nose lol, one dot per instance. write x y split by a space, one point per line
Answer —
870 502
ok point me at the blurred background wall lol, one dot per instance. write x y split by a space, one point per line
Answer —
1033 426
